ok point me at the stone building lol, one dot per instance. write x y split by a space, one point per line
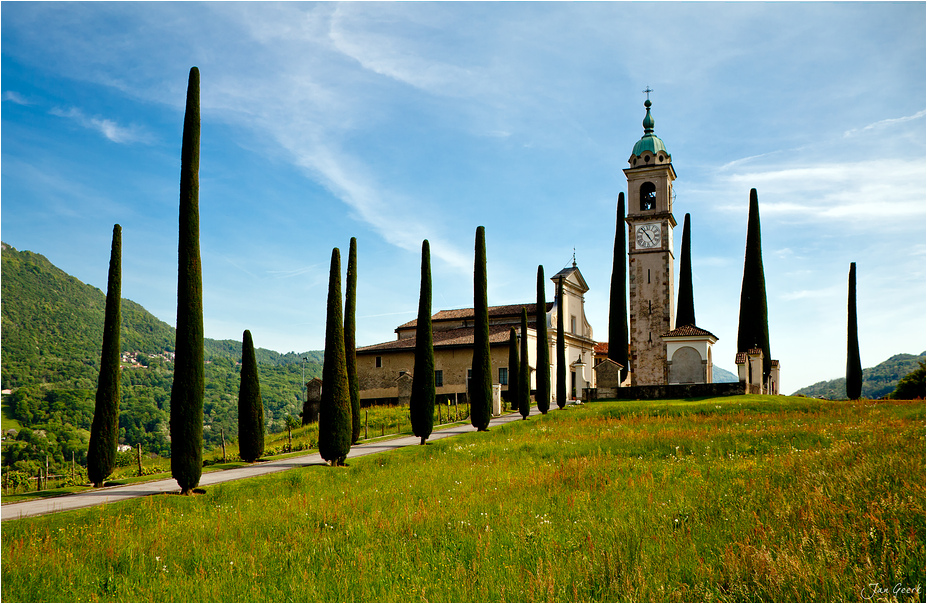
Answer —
385 370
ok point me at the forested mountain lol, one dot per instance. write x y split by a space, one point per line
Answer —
878 381
52 333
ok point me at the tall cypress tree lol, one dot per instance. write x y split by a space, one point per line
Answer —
561 348
513 369
481 368
350 338
524 370
753 327
685 304
189 387
854 366
335 406
542 396
250 405
104 431
422 401
618 296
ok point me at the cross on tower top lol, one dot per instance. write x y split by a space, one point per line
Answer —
647 91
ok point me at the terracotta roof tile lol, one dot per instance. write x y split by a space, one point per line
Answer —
445 338
495 312
688 331
600 348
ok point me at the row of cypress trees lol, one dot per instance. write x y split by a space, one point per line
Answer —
188 387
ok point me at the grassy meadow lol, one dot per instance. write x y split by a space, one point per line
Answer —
748 498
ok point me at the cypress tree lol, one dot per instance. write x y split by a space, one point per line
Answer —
250 405
481 368
753 327
513 369
189 386
104 431
335 406
685 304
542 396
350 338
422 401
854 366
524 370
618 296
561 348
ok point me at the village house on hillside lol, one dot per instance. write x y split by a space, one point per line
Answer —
385 370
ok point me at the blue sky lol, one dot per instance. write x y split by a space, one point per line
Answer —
395 122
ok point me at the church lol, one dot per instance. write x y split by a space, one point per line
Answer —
665 346
668 355
385 370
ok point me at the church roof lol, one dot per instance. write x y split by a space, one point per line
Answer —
688 331
445 338
571 270
650 141
495 312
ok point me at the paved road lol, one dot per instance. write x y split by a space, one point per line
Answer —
37 507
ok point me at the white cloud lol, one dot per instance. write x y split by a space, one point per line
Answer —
841 191
15 97
394 56
884 123
107 127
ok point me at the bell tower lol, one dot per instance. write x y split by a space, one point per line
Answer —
650 255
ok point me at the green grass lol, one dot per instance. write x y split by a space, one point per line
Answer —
382 422
7 422
751 498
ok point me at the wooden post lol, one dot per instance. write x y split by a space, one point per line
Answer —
439 413
456 409
382 429
46 470
139 457
222 434
365 424
72 465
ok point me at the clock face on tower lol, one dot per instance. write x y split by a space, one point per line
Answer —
648 235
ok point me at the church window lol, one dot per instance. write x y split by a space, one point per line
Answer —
439 378
648 196
379 361
648 275
572 324
504 376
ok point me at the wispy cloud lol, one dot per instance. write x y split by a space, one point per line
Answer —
846 190
885 123
107 127
15 97
827 292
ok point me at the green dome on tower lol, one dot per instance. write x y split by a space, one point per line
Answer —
650 141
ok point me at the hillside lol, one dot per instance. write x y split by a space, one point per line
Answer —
878 381
52 327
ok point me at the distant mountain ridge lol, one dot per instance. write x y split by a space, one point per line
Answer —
878 381
52 326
